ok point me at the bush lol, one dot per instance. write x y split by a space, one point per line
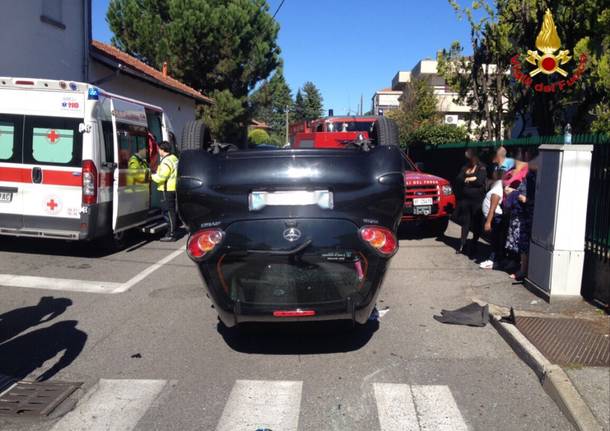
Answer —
258 136
437 134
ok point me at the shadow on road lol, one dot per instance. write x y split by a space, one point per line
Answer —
20 355
55 247
14 322
297 338
24 354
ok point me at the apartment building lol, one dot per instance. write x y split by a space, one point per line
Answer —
452 112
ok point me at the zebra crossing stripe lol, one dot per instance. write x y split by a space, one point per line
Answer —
262 404
395 407
414 408
437 409
112 405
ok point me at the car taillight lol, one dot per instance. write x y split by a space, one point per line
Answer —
382 240
203 242
89 177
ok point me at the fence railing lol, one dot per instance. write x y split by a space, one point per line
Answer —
596 277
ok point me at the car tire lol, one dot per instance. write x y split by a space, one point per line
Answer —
385 132
438 227
195 136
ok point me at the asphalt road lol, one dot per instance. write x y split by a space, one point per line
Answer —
147 346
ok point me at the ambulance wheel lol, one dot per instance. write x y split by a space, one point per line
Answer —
385 132
113 242
195 136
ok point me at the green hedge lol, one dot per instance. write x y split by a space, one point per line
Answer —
590 139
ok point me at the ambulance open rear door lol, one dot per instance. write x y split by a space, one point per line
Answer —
131 185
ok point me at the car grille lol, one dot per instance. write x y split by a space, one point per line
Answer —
422 191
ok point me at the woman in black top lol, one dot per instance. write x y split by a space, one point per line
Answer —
470 184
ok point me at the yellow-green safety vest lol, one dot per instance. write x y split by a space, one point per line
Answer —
165 177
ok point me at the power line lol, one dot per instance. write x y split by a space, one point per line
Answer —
278 8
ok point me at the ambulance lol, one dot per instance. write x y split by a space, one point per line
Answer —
76 161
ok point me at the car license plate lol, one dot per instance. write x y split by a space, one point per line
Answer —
422 210
260 199
6 196
422 201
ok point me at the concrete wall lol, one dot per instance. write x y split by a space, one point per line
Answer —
36 49
180 109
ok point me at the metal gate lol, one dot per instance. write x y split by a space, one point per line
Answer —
596 274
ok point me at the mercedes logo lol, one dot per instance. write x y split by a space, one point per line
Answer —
292 234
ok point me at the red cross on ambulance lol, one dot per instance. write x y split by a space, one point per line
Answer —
52 205
53 136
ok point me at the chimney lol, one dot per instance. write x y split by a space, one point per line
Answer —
165 69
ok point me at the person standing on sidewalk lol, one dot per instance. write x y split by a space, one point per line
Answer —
492 210
521 218
165 178
470 184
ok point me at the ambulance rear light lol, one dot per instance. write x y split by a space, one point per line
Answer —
22 82
89 177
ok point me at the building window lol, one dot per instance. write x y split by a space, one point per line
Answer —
52 13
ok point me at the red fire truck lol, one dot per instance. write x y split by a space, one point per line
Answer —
429 200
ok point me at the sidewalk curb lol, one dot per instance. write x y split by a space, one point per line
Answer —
554 379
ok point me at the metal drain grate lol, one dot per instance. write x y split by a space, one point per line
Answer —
34 398
569 341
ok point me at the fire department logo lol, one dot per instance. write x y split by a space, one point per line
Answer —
548 42
52 205
548 59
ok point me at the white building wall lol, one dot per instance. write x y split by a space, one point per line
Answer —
36 49
180 109
386 100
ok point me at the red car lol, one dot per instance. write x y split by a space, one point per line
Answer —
429 200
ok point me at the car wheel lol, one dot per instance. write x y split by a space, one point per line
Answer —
385 132
195 136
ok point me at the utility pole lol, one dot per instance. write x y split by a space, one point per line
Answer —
286 112
361 102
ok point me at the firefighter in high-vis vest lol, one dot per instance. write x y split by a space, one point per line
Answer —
137 166
165 178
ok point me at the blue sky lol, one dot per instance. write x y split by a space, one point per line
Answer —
350 48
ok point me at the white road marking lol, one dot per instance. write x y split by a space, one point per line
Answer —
395 407
49 283
437 409
416 408
146 272
72 285
115 405
255 404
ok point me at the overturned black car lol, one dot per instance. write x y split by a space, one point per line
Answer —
287 235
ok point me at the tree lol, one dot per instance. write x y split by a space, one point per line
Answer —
227 117
312 105
213 46
418 106
270 101
418 119
299 106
